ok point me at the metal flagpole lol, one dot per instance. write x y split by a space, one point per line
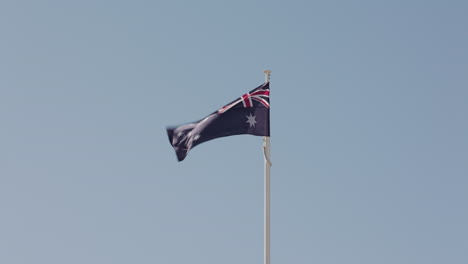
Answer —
266 152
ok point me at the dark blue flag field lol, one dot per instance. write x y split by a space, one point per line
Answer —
249 114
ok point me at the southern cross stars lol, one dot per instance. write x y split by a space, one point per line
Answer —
251 120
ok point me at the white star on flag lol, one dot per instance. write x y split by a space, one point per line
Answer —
251 120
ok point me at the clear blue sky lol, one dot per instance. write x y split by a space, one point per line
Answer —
369 132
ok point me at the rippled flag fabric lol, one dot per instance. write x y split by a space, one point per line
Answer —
249 114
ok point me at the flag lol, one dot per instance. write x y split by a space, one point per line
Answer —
249 114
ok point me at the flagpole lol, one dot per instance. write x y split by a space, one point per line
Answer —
266 152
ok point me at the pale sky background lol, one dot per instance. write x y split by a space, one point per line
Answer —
369 132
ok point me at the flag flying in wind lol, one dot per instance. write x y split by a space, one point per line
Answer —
249 114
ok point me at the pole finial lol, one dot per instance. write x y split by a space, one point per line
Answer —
267 75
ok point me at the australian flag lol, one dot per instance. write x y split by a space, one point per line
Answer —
249 114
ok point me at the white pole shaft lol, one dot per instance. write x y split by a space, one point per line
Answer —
266 150
267 203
